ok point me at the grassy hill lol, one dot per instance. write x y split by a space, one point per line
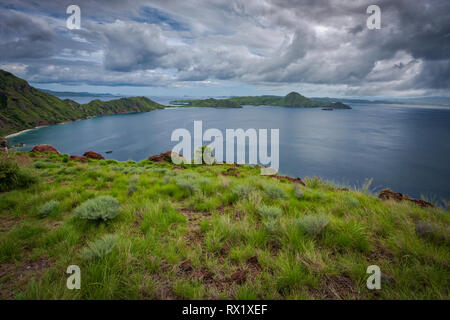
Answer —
293 99
208 103
24 107
210 232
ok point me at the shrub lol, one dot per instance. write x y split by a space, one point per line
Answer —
313 224
102 207
271 226
187 184
243 190
132 189
274 191
99 248
269 212
298 191
44 165
12 176
48 208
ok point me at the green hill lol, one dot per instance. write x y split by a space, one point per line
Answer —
208 103
209 232
24 107
293 99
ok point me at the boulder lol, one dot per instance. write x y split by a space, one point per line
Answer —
387 194
166 157
45 148
81 158
93 155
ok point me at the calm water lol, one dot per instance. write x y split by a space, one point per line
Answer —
404 147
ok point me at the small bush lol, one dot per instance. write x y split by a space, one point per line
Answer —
275 192
243 190
99 248
271 226
187 184
102 207
132 189
12 176
48 208
313 225
44 165
298 191
269 212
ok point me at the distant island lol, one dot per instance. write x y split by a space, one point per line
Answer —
23 107
80 94
293 99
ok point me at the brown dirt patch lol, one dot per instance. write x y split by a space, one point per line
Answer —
23 160
337 287
231 172
7 223
19 276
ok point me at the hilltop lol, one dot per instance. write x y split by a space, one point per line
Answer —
293 99
24 107
148 230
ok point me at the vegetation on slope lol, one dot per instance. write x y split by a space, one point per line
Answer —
209 103
293 99
24 107
221 231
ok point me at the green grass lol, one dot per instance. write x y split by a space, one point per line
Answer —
185 234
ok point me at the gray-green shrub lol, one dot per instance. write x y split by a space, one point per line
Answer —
99 248
48 208
313 225
270 212
274 191
102 207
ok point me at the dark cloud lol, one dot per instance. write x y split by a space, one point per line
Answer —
266 43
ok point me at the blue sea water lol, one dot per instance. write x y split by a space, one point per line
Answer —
403 147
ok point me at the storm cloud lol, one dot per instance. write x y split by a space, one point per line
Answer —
269 43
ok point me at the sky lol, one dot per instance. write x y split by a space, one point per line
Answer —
230 47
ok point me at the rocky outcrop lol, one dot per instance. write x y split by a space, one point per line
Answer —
93 155
81 158
388 194
166 157
3 145
45 148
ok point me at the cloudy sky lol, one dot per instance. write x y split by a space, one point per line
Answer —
230 47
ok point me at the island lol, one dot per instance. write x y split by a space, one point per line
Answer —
293 99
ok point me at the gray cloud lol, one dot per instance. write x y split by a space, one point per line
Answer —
266 43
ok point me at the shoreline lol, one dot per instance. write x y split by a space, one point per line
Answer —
18 133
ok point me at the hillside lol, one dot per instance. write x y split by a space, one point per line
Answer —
208 103
24 107
293 99
210 232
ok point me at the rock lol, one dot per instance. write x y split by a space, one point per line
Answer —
44 148
93 155
239 276
166 157
81 158
387 194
